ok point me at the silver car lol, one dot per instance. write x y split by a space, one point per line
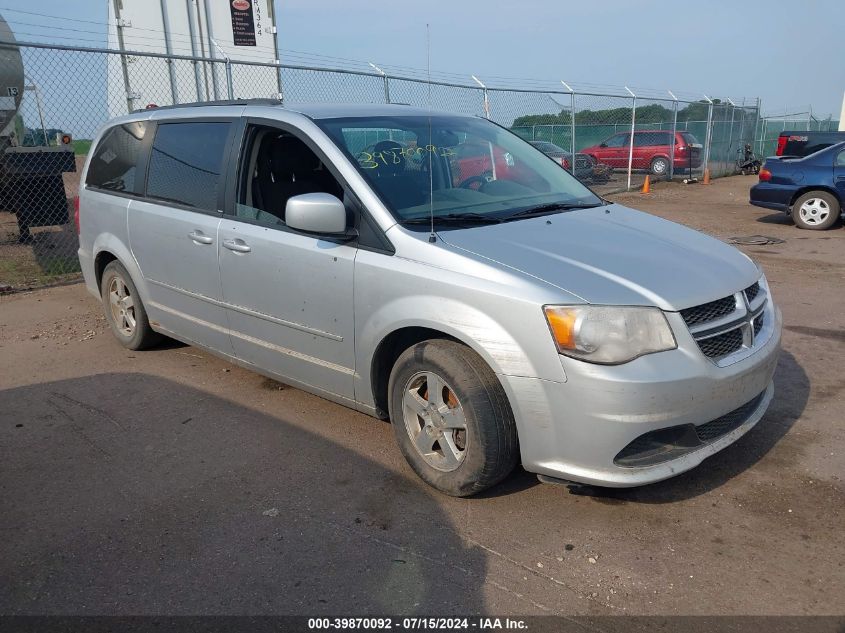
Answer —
434 270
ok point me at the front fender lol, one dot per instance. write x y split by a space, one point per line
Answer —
520 347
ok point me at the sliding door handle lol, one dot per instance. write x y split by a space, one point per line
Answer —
237 245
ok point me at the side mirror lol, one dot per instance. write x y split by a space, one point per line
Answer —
603 145
316 213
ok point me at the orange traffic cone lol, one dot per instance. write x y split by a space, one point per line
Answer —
646 185
706 180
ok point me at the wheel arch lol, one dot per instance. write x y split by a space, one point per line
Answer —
388 351
108 248
824 188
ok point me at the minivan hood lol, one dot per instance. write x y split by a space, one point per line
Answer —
614 255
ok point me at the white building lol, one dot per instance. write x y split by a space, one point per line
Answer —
241 30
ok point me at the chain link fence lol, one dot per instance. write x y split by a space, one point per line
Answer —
609 141
791 120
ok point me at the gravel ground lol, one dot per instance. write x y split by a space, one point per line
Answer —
170 482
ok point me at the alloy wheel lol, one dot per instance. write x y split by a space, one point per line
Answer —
122 306
435 421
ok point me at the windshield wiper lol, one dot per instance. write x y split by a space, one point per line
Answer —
544 209
456 218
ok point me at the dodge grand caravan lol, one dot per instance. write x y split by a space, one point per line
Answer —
515 317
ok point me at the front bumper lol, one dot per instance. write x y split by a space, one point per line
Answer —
575 430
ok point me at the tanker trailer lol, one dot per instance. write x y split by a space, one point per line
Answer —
31 185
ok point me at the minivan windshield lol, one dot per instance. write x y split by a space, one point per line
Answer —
458 169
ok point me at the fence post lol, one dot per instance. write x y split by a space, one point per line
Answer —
571 124
709 133
230 89
674 135
230 86
384 79
165 21
486 100
123 60
197 74
757 126
633 127
730 134
741 150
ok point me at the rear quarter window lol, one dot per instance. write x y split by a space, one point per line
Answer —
186 163
689 139
114 163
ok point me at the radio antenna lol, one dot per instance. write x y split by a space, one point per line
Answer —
431 237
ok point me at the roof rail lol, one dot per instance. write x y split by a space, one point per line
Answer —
224 102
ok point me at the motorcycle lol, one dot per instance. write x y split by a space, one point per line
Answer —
748 162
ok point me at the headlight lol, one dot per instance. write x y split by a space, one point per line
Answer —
607 334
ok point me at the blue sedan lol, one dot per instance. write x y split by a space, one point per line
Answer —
810 189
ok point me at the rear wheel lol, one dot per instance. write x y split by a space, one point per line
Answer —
659 166
451 418
816 210
124 310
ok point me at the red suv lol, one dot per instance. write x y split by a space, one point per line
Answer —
652 150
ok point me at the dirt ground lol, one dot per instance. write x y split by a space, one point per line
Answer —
170 482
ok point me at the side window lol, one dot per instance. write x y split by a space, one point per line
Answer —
651 139
840 159
186 163
619 140
114 162
277 166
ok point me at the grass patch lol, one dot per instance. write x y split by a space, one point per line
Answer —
81 146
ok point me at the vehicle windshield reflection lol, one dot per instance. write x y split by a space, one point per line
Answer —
458 169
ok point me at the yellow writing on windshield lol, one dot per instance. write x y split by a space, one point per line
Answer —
374 160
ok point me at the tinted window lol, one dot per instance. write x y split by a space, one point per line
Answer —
113 164
620 140
186 163
650 139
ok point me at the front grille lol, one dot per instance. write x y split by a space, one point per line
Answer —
752 291
728 422
758 323
704 319
670 443
721 344
709 311
582 161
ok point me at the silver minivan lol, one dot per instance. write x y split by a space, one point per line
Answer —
435 270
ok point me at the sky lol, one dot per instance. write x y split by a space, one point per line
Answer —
787 53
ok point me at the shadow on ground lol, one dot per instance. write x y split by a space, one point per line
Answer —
775 218
127 493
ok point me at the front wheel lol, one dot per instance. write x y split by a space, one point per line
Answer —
816 210
451 418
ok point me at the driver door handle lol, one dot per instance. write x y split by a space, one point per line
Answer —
200 238
237 245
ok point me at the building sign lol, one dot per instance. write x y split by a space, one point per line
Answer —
243 22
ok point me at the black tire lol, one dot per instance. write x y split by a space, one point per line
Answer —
141 336
659 166
827 211
490 440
